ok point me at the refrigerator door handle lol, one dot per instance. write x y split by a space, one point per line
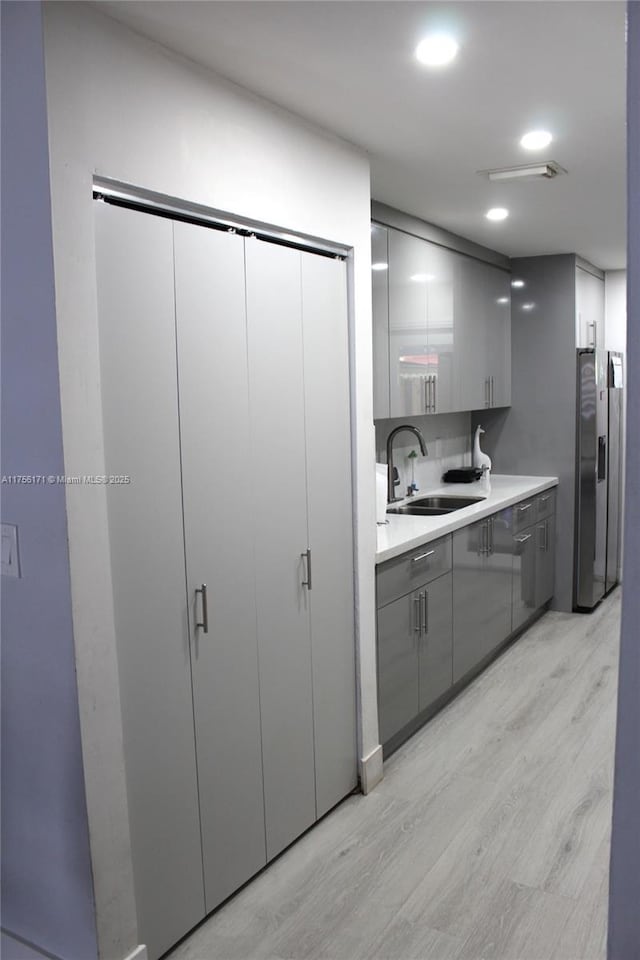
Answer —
602 457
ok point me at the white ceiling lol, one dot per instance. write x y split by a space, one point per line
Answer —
523 64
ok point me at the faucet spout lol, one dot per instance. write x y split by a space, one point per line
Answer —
391 482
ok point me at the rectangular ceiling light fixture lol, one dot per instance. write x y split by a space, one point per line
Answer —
530 171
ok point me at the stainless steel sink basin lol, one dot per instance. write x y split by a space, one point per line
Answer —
445 503
433 506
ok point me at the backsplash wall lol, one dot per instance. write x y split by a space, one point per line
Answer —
449 444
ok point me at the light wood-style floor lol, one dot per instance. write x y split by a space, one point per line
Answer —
487 840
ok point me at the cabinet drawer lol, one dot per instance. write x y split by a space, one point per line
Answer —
399 576
524 514
545 504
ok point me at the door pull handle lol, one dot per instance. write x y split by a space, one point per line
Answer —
423 556
417 614
307 555
204 623
425 624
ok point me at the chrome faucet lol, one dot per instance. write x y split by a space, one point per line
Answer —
390 439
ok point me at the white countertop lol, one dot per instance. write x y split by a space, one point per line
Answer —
404 532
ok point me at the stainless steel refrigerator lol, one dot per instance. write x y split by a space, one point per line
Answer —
598 475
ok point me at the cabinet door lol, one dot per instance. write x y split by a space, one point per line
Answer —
328 452
213 380
481 590
498 575
441 334
278 510
134 258
436 640
523 596
589 309
497 318
409 273
470 298
399 629
380 304
545 560
471 619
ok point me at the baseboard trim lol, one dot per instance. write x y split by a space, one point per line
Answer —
371 771
140 953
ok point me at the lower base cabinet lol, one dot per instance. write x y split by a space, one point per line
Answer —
446 606
482 558
415 645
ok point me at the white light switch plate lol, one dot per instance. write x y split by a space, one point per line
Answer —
10 559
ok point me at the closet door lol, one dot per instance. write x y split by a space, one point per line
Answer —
328 448
141 438
277 509
218 485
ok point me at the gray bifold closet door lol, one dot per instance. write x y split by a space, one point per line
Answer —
217 486
142 439
225 391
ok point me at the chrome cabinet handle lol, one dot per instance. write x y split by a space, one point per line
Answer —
492 393
205 609
425 601
307 555
486 392
435 387
593 325
524 539
416 614
544 544
490 532
527 506
426 393
422 556
483 540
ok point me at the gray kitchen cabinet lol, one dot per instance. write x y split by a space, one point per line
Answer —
233 612
589 292
409 361
545 560
380 303
398 689
414 654
524 599
482 578
435 663
483 334
448 322
533 556
414 635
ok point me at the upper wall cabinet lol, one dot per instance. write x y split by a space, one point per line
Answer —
442 328
589 309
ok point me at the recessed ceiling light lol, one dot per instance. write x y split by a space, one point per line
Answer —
379 266
502 300
422 277
517 283
497 213
528 306
437 50
536 140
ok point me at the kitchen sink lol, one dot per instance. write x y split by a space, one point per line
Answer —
433 506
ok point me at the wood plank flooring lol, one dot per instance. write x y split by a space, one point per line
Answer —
487 840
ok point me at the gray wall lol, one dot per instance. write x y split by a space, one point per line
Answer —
46 873
624 895
543 396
